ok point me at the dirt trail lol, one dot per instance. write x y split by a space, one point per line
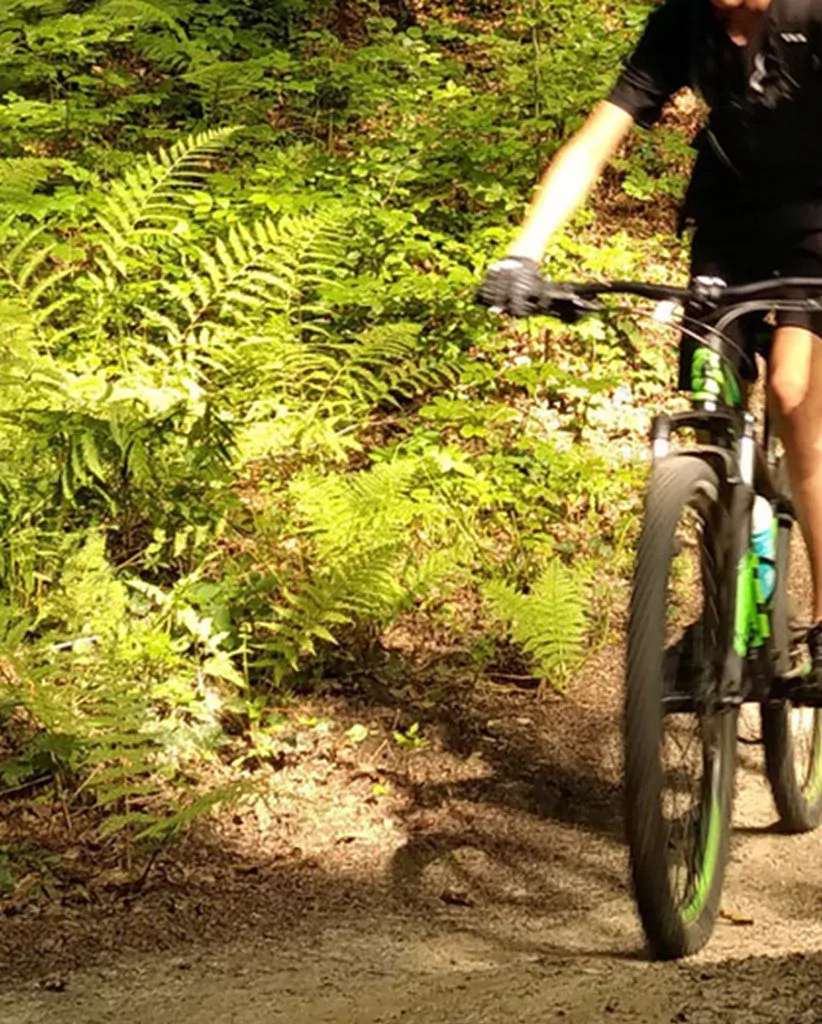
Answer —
496 891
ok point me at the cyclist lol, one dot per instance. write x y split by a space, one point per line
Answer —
754 201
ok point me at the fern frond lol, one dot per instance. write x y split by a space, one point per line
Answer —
354 512
172 824
142 13
549 622
148 197
241 279
167 50
334 382
389 354
261 275
25 270
220 82
381 538
20 177
17 331
363 586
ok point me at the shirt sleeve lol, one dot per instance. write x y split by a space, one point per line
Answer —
659 66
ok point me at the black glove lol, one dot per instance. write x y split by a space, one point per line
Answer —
513 285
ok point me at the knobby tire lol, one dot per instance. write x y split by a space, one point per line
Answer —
675 925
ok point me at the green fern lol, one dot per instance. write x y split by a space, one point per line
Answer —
383 364
168 348
261 271
352 513
220 83
20 178
365 587
314 390
142 13
28 275
118 711
150 197
381 539
549 621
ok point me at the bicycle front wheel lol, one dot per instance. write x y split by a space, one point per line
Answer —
680 744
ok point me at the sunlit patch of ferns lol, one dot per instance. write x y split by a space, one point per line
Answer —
549 622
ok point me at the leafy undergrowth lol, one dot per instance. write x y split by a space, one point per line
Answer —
349 785
257 441
324 773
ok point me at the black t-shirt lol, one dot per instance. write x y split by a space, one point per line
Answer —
762 145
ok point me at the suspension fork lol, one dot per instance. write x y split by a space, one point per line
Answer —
736 582
734 456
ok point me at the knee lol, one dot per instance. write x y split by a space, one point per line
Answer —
789 389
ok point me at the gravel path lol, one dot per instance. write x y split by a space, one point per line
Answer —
497 894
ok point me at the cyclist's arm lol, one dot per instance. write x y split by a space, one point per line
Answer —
571 177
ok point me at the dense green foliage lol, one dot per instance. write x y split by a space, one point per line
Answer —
251 415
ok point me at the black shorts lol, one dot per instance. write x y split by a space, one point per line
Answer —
746 251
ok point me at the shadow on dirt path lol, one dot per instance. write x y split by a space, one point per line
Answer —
492 887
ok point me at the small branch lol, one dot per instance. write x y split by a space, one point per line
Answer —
23 786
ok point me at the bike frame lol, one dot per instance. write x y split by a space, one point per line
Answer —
719 412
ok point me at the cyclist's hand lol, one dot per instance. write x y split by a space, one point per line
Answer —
513 285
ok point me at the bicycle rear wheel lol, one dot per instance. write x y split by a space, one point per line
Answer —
679 766
792 736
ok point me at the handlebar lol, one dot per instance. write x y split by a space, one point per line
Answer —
708 294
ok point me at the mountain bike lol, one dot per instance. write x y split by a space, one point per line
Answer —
710 629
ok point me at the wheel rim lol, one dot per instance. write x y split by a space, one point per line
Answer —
692 817
690 748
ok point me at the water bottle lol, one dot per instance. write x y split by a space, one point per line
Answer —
764 544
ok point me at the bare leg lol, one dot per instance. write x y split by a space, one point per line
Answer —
796 397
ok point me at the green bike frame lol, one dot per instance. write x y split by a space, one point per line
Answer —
714 381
